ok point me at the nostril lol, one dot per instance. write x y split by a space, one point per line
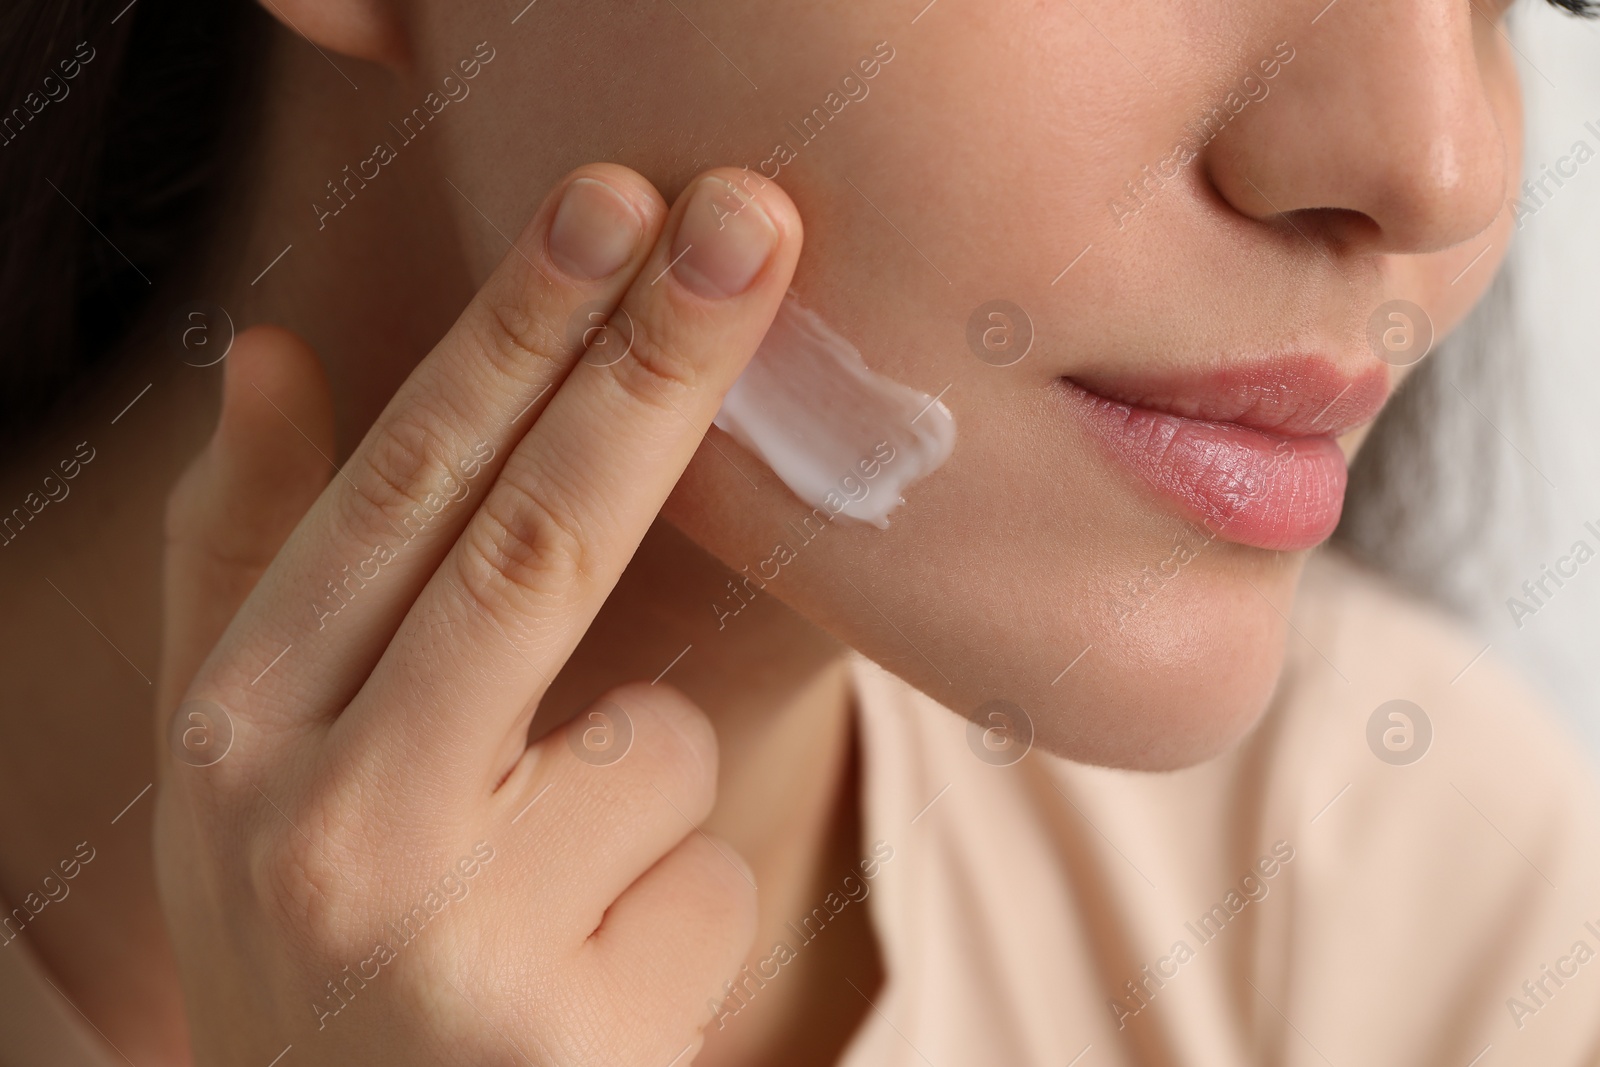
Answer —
1337 227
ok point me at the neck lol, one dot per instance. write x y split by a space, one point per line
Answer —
372 289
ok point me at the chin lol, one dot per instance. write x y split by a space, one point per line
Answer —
1176 684
1179 684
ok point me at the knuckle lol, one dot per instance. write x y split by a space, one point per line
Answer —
525 548
395 478
706 911
514 334
727 901
658 370
296 878
676 744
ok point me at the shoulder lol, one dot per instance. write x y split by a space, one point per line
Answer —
1404 704
1358 645
1451 824
1435 867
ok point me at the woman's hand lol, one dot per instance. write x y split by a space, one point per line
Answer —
359 855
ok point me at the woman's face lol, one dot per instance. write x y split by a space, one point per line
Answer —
1195 208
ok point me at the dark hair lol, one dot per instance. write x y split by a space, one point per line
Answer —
111 145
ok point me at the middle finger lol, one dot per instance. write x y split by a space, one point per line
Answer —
556 530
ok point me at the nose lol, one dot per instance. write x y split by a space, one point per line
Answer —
1380 133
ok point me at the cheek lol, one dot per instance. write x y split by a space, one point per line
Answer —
971 597
922 203
1498 65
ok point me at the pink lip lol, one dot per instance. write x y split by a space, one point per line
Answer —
1248 452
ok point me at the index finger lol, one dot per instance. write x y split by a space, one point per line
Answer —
580 490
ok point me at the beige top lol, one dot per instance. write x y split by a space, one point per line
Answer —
1299 901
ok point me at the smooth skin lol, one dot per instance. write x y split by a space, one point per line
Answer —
1378 167
982 163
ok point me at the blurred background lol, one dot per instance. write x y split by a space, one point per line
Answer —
1546 414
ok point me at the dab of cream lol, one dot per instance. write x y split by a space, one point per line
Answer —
829 427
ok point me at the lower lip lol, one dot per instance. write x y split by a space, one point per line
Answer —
1245 486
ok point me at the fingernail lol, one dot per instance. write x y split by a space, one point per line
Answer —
595 230
723 241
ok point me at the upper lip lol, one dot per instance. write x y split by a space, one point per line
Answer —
1289 396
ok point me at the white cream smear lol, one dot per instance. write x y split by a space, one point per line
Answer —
840 436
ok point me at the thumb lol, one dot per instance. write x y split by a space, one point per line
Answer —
240 498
